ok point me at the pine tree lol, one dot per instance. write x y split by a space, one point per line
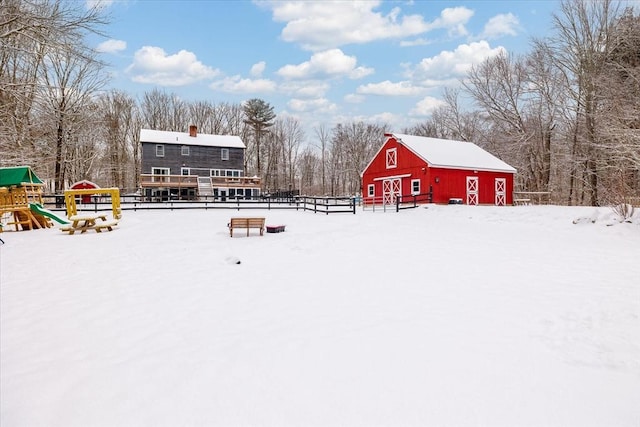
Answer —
259 116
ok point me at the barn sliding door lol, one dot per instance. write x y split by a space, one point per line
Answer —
501 191
390 190
472 190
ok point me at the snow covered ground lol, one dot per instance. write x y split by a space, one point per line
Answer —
441 315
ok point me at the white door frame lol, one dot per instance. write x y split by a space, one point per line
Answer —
501 191
391 189
472 190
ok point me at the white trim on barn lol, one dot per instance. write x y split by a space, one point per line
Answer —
391 189
382 178
501 192
472 190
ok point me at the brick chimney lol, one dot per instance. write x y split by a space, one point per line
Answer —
193 131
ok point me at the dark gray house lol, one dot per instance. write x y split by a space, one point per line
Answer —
188 166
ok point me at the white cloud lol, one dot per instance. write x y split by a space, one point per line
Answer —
387 88
321 105
305 88
153 65
353 98
112 46
501 25
330 63
426 106
380 118
319 25
98 4
258 68
451 64
416 42
237 84
454 20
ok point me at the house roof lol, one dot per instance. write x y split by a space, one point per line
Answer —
449 154
183 138
17 175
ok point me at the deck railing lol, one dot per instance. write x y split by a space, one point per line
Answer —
153 180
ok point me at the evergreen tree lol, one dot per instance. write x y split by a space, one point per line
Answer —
259 116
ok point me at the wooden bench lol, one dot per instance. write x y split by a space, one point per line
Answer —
521 202
247 223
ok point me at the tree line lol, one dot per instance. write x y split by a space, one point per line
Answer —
566 114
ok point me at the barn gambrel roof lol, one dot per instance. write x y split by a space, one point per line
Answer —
450 154
183 138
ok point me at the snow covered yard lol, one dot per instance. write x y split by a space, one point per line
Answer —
441 315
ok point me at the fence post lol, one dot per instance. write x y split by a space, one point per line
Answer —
354 205
398 203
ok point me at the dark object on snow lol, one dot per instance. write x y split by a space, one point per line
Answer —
275 228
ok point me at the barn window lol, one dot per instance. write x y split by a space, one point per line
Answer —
415 186
392 158
371 190
185 150
225 154
159 150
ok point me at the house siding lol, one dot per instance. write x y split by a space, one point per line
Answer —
200 157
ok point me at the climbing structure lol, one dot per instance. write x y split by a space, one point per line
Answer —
20 189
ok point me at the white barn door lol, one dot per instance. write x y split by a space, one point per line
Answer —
501 191
472 190
390 190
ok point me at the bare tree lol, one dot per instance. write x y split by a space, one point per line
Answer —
580 50
352 147
32 32
119 117
69 84
164 111
324 135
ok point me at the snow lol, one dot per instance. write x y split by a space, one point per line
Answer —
447 153
441 315
183 138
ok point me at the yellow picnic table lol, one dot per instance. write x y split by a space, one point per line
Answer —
83 223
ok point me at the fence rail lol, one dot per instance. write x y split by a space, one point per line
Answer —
324 205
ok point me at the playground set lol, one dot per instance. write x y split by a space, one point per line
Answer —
21 204
21 200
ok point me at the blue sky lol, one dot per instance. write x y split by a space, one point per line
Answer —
320 62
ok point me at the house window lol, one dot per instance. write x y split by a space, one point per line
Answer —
159 174
159 150
415 186
185 171
185 150
392 158
371 190
225 154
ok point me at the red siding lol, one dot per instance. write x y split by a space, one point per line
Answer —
451 183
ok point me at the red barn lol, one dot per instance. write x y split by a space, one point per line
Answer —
437 169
